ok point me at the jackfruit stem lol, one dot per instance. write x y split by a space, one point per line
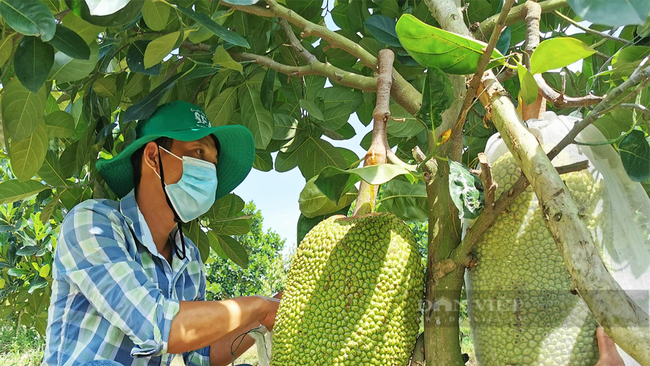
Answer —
379 146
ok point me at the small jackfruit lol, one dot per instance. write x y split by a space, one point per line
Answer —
521 308
352 296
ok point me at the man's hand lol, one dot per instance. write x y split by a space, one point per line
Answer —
607 348
269 311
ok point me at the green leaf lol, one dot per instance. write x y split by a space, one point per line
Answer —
29 17
32 62
145 107
155 14
135 58
48 210
268 90
239 225
319 154
85 30
22 110
635 156
106 88
390 8
333 182
223 58
383 29
558 52
405 200
240 2
228 206
68 160
50 172
234 250
340 15
15 272
6 48
434 47
409 128
222 32
70 43
263 161
105 7
14 190
312 109
528 85
285 126
313 201
466 191
27 250
68 69
627 59
437 96
28 155
135 85
37 283
612 13
194 232
257 119
59 124
221 109
122 17
159 48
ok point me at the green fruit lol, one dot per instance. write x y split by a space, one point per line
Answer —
353 295
521 308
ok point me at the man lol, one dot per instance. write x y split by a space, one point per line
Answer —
128 286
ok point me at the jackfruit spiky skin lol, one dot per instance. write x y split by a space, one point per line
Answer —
352 296
521 309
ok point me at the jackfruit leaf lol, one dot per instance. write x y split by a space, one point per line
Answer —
254 117
627 59
466 190
223 58
28 155
305 224
238 225
145 107
613 13
135 58
285 126
234 250
14 190
67 69
434 47
313 201
334 182
37 283
16 272
383 29
105 7
437 96
6 48
268 89
32 62
31 18
221 32
405 200
558 52
263 161
319 155
106 88
155 14
159 48
21 110
635 156
48 210
227 206
409 128
69 42
312 109
50 171
528 84
221 109
193 231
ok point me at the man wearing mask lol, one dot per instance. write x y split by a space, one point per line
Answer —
129 287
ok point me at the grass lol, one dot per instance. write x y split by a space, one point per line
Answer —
22 348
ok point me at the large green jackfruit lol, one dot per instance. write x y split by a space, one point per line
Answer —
522 310
352 296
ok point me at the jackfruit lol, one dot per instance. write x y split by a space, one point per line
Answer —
352 296
521 308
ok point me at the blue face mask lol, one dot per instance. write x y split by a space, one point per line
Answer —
195 192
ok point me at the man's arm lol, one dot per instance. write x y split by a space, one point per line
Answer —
202 323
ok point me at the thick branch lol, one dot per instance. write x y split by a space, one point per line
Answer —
377 152
401 91
515 15
627 324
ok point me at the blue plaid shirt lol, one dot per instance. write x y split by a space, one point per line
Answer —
114 296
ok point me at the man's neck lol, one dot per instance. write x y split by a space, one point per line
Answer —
159 218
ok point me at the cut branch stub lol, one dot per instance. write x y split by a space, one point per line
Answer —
379 146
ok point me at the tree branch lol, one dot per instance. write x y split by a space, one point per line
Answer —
561 100
379 146
401 91
515 15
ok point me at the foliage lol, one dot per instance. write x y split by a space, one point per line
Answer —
20 347
267 269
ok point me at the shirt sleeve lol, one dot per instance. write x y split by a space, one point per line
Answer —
93 256
200 357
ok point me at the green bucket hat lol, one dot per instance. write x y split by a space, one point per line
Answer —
183 121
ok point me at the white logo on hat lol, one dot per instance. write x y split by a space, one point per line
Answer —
201 119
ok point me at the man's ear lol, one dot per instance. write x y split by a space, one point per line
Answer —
150 156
